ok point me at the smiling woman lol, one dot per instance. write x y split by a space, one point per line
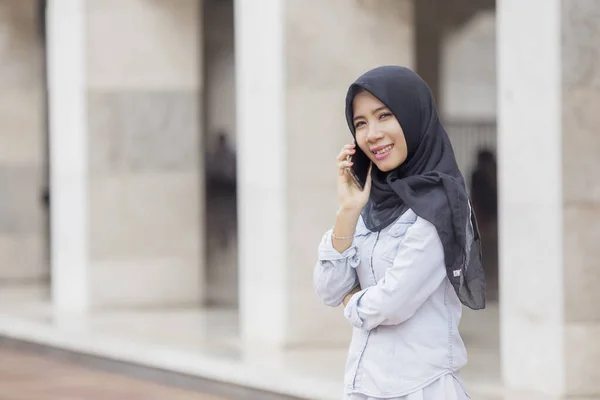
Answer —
378 132
404 251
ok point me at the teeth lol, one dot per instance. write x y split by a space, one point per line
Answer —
385 149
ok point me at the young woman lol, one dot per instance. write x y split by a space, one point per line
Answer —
404 252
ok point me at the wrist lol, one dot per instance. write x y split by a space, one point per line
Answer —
348 297
348 212
345 225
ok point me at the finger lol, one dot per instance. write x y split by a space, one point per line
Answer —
350 146
344 165
344 154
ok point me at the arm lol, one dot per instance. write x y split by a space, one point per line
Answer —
417 272
335 273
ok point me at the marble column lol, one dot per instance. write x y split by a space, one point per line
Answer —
68 154
549 92
125 83
23 259
143 92
292 76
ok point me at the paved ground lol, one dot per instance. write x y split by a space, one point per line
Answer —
29 372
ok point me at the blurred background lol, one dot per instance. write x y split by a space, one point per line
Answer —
166 174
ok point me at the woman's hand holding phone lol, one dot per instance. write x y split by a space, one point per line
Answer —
352 200
351 197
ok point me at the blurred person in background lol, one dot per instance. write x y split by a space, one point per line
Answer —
221 191
404 252
221 165
484 191
484 194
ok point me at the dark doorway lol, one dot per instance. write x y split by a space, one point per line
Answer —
221 273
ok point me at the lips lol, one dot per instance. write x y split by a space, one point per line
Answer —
380 150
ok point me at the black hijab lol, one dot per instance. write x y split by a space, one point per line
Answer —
428 182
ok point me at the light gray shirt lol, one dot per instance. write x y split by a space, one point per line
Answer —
405 319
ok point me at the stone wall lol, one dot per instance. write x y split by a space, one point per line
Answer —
23 238
468 70
581 194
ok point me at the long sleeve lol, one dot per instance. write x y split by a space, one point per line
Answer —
335 273
416 273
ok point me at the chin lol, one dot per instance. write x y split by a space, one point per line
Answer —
384 167
388 165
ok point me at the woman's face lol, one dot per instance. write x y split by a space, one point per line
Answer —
378 132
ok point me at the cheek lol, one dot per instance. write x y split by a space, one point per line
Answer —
400 141
402 151
361 141
401 155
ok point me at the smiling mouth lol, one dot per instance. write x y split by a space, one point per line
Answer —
382 150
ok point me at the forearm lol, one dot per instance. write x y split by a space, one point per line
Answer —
335 273
345 225
417 271
332 284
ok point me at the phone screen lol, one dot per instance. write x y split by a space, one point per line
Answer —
360 169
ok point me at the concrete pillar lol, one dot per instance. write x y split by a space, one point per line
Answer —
549 91
144 69
68 154
125 111
291 81
23 259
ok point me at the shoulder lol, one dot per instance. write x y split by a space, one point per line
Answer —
402 224
409 222
411 225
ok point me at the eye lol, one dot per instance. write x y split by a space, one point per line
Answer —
384 115
359 124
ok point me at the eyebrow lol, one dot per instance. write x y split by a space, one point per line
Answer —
375 111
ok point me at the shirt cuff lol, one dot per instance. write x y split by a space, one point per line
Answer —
351 309
328 253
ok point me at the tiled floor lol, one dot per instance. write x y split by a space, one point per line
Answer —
206 343
28 374
34 377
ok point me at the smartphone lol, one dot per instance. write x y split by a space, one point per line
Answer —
360 169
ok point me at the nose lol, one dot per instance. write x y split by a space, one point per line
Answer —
374 134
